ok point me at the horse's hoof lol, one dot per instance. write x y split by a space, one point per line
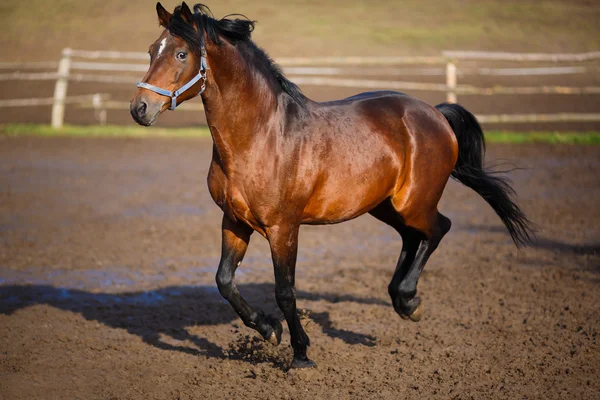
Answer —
418 313
417 310
275 336
303 364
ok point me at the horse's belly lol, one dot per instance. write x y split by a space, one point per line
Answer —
346 200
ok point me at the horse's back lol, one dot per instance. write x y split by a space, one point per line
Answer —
376 142
407 119
389 109
404 120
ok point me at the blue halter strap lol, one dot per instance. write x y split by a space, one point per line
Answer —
192 82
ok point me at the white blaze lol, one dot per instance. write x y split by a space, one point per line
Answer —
163 44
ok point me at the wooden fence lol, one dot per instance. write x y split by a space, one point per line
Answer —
321 71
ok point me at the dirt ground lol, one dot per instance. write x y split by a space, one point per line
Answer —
108 250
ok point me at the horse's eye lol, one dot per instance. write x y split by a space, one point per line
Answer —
181 56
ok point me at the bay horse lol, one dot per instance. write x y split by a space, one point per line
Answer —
281 160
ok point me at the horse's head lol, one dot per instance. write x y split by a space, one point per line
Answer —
177 69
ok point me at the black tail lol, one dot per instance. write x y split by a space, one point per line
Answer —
469 171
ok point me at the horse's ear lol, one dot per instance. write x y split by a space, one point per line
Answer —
164 17
186 14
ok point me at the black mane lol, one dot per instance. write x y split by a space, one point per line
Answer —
236 31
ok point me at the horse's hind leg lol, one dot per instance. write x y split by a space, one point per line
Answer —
403 287
385 212
417 246
235 242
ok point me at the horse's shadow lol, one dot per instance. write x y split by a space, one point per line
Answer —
168 312
540 242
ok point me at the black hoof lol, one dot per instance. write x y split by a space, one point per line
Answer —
303 364
274 331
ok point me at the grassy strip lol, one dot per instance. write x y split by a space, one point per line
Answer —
590 138
102 130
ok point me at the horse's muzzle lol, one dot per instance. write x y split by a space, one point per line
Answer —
143 111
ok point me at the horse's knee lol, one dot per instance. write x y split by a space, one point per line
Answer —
225 284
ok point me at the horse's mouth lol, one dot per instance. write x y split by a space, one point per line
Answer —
147 122
147 119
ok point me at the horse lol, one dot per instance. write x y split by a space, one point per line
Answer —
281 160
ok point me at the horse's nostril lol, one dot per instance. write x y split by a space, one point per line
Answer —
142 108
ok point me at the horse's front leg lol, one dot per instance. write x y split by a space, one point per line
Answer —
236 236
283 240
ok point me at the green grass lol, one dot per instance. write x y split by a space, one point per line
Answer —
102 130
587 138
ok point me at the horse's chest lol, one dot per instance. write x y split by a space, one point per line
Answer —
229 198
217 186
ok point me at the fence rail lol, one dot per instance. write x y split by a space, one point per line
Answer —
28 65
528 118
86 98
323 71
501 56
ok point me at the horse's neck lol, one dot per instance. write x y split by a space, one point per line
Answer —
238 104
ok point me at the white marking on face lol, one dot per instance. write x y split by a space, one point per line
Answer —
163 44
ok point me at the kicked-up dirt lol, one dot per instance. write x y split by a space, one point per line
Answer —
108 250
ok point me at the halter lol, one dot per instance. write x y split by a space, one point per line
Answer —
192 82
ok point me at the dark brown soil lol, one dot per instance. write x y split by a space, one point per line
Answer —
108 249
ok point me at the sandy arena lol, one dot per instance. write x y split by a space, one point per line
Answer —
108 250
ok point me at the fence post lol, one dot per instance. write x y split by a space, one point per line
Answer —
60 90
451 81
99 108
